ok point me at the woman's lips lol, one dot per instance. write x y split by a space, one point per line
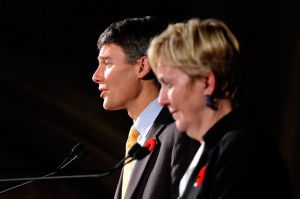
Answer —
173 113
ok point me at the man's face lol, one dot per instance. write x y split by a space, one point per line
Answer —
118 83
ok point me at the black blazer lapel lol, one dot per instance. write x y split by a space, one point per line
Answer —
195 185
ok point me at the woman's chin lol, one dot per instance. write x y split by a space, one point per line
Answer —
180 126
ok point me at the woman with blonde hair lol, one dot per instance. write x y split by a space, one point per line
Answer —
196 64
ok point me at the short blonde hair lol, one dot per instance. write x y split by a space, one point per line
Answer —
195 48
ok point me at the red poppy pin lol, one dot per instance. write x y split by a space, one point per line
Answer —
200 177
150 144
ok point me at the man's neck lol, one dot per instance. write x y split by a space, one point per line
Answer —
146 96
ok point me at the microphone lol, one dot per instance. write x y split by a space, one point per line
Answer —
144 151
137 152
77 152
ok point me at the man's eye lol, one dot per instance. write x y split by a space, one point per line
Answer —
107 63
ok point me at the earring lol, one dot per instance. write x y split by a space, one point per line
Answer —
210 102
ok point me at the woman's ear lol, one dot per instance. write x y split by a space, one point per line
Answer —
210 83
144 67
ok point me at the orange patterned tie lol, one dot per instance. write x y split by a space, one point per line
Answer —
132 138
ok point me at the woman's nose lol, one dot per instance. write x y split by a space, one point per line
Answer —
163 98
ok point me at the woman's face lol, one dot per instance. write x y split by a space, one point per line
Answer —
183 96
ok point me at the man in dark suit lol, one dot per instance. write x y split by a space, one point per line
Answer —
126 82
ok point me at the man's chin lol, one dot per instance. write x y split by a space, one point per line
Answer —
106 106
110 107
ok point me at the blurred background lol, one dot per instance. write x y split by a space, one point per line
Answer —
49 103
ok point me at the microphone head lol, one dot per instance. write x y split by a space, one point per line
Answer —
134 149
140 152
78 151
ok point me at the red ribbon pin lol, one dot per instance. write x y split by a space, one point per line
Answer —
150 144
200 177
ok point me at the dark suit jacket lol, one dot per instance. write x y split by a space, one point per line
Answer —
241 163
157 176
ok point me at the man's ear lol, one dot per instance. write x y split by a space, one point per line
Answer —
210 83
144 67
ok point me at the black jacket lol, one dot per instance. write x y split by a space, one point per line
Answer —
239 161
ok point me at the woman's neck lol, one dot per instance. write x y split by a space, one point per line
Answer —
210 117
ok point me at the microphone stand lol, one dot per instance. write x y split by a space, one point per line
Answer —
137 152
24 183
50 177
77 152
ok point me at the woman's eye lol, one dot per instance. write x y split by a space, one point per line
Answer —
165 84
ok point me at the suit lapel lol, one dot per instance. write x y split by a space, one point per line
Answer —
139 168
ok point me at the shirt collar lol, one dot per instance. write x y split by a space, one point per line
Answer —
147 117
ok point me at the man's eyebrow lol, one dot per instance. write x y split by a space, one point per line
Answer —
103 57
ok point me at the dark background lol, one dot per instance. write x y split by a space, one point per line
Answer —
48 102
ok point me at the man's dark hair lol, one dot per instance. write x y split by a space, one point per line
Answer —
133 35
